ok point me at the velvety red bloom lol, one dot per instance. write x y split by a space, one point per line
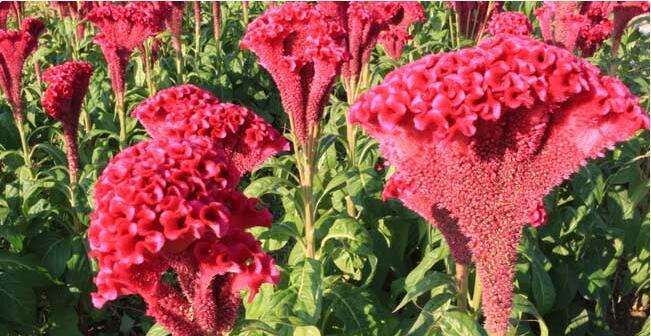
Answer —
174 22
15 47
479 136
173 204
393 40
513 23
473 15
5 9
599 27
561 23
303 50
625 11
62 100
185 111
122 29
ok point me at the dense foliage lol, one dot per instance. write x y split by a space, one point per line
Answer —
372 267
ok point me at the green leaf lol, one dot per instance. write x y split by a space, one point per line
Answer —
522 305
63 322
17 301
456 323
265 185
543 288
428 282
247 326
54 251
306 331
157 330
306 281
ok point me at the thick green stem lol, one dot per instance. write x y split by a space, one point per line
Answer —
23 141
119 109
476 294
245 12
148 69
461 282
305 159
179 66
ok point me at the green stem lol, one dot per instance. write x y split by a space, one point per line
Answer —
148 69
305 159
23 141
119 109
461 282
179 66
476 293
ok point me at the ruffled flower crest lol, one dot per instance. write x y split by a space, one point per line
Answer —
303 51
169 204
479 136
62 100
513 23
186 111
122 30
15 47
396 36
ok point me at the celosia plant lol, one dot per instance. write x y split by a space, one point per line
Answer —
122 30
302 50
393 40
166 205
598 29
186 111
479 136
513 23
62 100
15 47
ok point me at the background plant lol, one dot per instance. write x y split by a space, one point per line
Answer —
584 273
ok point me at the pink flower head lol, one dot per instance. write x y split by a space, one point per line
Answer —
394 39
185 111
513 23
68 84
15 47
174 22
599 28
173 204
562 24
473 15
303 50
122 29
624 12
479 136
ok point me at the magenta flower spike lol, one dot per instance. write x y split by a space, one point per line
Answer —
303 51
62 100
479 136
15 47
173 204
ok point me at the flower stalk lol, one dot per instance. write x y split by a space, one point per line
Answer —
23 141
461 282
122 119
148 65
305 161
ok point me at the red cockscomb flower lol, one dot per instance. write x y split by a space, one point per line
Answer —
479 136
512 23
393 40
563 25
185 111
15 47
75 9
625 11
302 50
472 16
599 28
122 29
68 84
173 204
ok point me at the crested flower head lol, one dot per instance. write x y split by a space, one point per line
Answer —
599 28
173 204
185 111
15 47
513 23
394 38
122 29
479 136
303 50
67 86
